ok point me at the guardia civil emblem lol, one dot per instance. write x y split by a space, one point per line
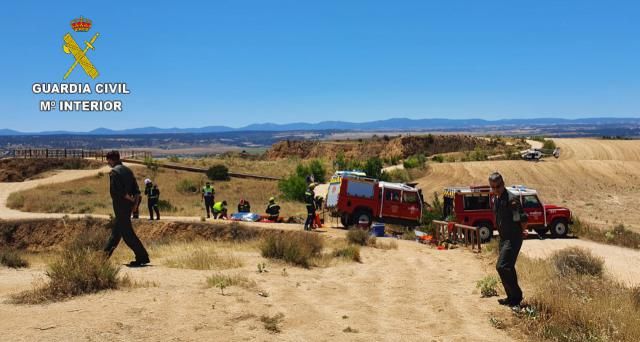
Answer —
80 25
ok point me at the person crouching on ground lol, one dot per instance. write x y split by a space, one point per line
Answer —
244 206
509 218
220 210
124 190
153 196
273 210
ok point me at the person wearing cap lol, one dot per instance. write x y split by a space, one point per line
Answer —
244 206
220 210
510 219
309 199
124 190
153 196
273 210
208 197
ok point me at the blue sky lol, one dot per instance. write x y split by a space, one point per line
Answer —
236 62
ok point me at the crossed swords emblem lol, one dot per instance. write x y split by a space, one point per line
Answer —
70 46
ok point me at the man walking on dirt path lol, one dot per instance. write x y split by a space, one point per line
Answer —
124 193
509 217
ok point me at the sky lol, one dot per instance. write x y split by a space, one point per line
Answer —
237 62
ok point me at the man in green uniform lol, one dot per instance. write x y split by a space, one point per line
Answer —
509 218
309 199
208 196
124 190
220 210
153 196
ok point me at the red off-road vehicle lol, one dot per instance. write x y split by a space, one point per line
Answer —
473 206
357 199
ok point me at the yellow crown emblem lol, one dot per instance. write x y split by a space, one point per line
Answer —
81 24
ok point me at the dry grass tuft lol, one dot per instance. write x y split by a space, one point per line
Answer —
578 261
297 248
575 307
11 258
204 259
223 281
351 252
359 237
272 323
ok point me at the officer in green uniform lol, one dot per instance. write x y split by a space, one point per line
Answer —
220 210
309 199
124 192
153 196
208 196
273 209
509 218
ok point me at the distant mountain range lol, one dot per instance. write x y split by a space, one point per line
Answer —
396 124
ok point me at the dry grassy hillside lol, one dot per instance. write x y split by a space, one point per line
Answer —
598 179
386 147
91 195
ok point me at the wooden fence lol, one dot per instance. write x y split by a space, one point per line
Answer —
458 233
75 153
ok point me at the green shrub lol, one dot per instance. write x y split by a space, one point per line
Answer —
11 258
293 187
488 286
549 144
218 172
414 161
314 168
438 158
297 248
398 176
186 186
575 260
373 167
174 159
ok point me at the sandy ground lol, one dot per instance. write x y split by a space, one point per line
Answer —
414 293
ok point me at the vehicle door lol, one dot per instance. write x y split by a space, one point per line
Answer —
534 210
392 202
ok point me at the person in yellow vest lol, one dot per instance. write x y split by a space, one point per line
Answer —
208 196
220 210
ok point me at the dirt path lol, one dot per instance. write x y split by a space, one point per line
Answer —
414 293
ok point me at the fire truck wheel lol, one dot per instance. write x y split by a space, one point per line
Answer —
485 231
362 215
559 228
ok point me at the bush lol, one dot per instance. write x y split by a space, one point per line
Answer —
186 186
272 323
398 176
314 169
12 258
218 172
293 187
358 236
549 144
488 286
414 161
575 260
373 167
75 272
174 159
438 159
297 248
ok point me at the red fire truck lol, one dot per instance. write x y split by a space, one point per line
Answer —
360 200
473 206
